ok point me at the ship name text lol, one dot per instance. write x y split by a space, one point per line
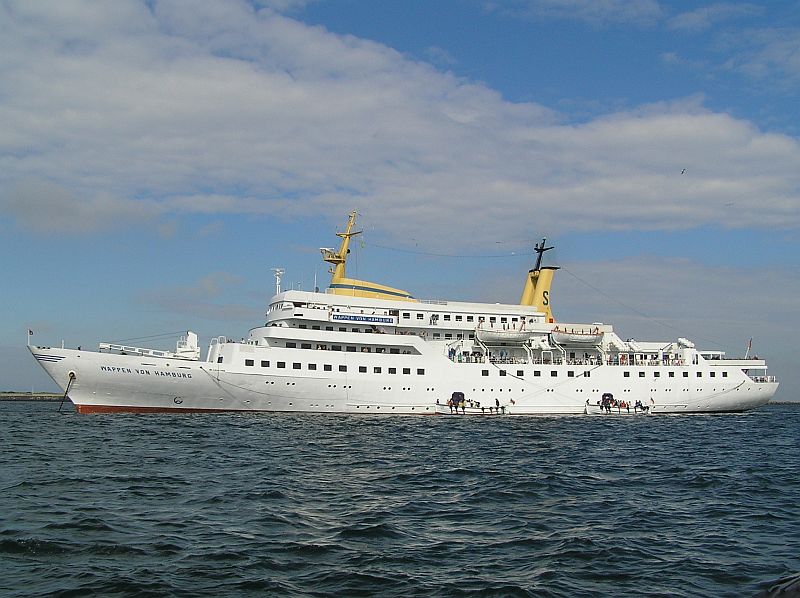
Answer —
143 372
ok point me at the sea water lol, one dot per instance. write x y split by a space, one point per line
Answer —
299 505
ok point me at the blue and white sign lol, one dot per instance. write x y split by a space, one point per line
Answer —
370 319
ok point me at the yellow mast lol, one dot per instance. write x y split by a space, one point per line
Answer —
537 285
339 258
341 285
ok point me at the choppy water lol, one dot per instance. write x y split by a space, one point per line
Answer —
153 505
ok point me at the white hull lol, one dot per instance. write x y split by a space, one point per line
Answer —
106 382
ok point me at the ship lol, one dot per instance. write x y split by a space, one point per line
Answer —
360 347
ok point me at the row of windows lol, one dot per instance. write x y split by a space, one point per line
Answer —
347 348
538 373
362 369
458 318
672 374
421 371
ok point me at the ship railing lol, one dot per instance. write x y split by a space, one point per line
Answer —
763 378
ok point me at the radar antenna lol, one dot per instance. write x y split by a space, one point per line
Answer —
278 272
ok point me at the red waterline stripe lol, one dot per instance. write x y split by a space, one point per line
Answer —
84 409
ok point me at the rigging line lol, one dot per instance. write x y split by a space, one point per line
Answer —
152 336
433 254
633 309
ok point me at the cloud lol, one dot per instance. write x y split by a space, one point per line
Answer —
771 54
116 115
205 298
594 12
708 16
47 207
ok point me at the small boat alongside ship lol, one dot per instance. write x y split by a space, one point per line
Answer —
361 347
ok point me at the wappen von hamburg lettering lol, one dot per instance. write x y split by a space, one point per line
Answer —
116 370
351 318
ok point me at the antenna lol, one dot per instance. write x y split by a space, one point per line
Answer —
540 249
278 272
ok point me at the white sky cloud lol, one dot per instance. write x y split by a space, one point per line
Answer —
595 12
771 54
120 113
705 17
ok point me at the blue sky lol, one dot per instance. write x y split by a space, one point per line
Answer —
158 158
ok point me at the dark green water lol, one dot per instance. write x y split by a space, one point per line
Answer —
286 505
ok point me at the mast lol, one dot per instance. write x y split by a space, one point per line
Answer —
339 258
540 249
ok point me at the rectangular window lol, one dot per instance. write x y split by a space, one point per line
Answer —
312 366
354 330
351 349
281 364
570 374
641 374
376 369
394 351
537 373
502 372
484 372
503 320
303 326
587 373
699 374
656 374
342 368
553 373
458 318
672 374
420 372
446 317
264 364
492 319
336 347
342 329
315 328
437 335
407 370
249 362
626 374
329 328
470 319
712 374
392 370
296 366
724 374
406 315
420 316
685 374
362 369
305 346
219 359
291 345
448 336
520 373
327 367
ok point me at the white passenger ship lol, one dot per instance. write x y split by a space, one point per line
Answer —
367 348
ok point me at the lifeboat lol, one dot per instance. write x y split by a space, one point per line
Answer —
576 337
491 336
